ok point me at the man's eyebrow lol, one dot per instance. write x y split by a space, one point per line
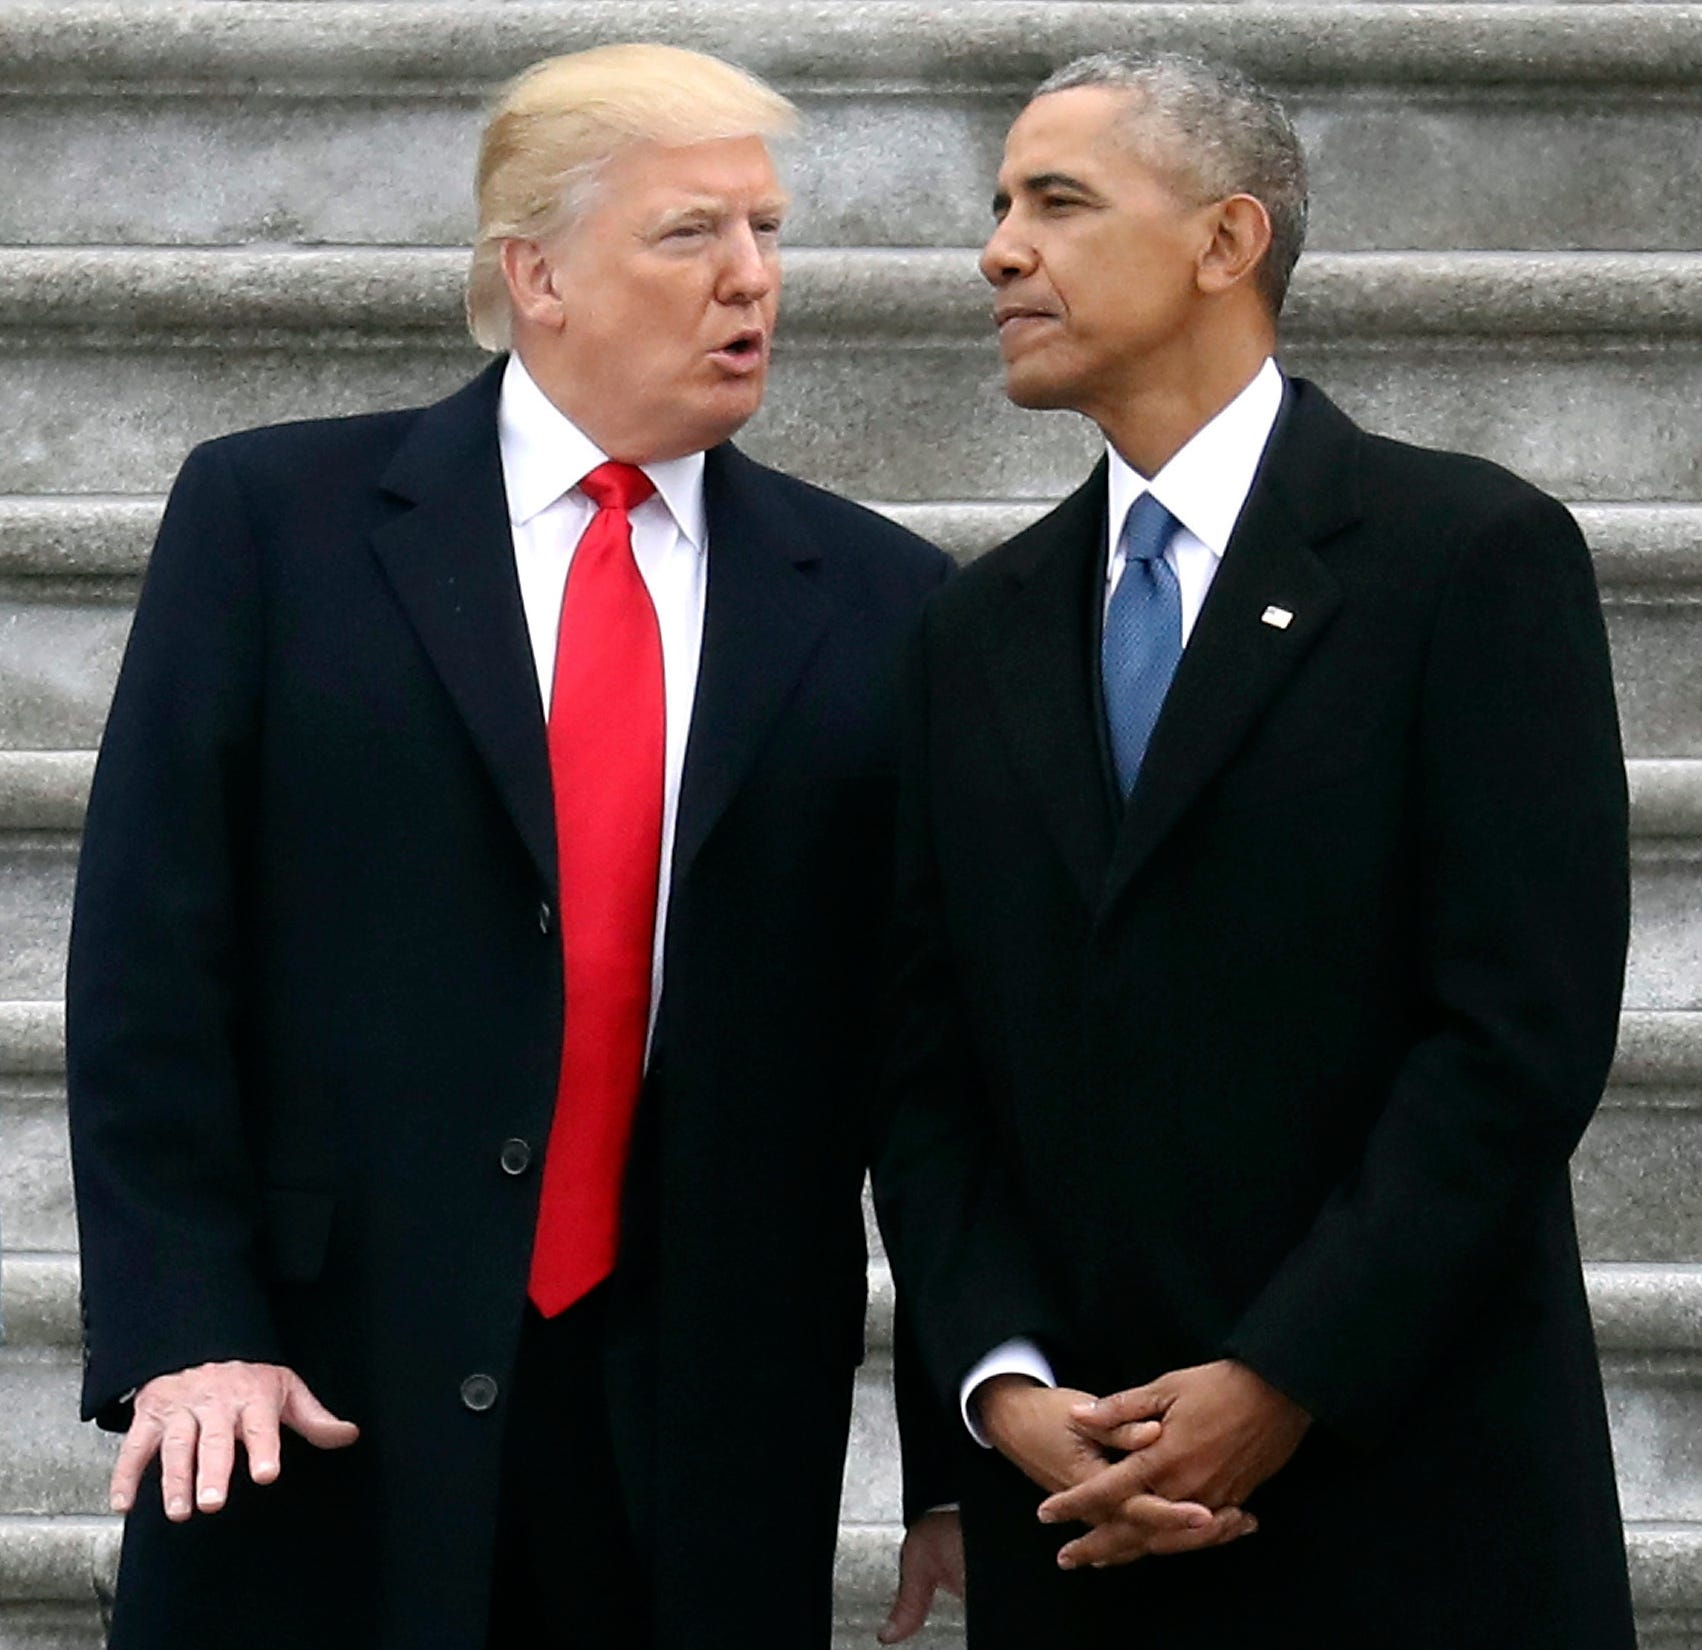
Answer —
1042 181
1038 183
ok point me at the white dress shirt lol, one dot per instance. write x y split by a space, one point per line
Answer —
1204 486
544 458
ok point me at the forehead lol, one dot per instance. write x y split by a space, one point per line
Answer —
735 169
1076 132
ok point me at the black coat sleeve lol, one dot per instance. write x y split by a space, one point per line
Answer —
166 1195
1524 900
965 1271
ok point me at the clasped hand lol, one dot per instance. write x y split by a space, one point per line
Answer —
1158 1469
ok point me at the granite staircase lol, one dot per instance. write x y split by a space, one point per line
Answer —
224 212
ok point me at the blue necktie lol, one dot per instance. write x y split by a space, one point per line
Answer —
1143 637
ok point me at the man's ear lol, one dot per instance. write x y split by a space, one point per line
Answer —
530 271
1240 238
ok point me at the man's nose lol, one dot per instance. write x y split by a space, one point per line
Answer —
1006 255
751 266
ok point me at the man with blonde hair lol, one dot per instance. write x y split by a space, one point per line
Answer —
469 997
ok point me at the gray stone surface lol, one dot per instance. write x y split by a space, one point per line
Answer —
35 1167
57 545
59 657
1656 1416
50 1627
1657 657
1634 1176
164 45
53 1464
1532 169
36 876
1578 371
1665 967
58 661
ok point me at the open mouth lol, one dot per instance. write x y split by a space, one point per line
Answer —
743 352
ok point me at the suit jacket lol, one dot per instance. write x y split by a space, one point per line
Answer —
315 986
1285 1061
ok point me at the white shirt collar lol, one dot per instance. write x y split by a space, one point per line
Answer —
544 453
1207 482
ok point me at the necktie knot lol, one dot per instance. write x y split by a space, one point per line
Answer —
1147 529
617 486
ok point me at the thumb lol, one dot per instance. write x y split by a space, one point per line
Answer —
304 1413
1129 1437
910 1604
1139 1403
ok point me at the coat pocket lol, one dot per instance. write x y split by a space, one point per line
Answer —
297 1232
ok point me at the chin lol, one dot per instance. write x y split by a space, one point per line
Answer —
1034 391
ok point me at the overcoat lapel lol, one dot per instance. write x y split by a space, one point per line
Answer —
1237 660
449 557
1042 667
763 618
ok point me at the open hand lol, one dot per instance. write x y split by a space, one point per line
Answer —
192 1421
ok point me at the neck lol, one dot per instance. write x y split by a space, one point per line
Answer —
1156 413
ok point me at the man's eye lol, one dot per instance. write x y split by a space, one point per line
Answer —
766 226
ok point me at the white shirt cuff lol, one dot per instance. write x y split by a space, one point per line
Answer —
1015 1357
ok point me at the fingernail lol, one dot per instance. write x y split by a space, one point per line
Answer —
121 1503
211 1497
1199 1518
179 1508
265 1469
1065 1562
1047 1516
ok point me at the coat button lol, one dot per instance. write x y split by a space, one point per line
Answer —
516 1157
546 916
478 1392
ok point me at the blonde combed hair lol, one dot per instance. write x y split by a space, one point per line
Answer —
556 125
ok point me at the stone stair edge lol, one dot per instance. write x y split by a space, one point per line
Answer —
927 294
74 1559
47 790
336 48
1642 551
1641 1310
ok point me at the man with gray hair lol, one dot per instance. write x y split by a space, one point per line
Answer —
1263 909
470 991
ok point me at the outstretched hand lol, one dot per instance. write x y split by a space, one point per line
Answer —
193 1420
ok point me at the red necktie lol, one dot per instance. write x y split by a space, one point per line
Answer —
606 728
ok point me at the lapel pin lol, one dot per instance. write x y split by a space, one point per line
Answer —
1279 618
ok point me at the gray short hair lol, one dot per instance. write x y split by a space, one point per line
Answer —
1212 133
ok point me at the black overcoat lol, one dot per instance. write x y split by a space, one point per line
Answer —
1286 1061
315 988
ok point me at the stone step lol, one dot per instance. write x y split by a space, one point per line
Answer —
1430 126
1579 370
1648 1326
1638 1196
67 585
37 872
57 1575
